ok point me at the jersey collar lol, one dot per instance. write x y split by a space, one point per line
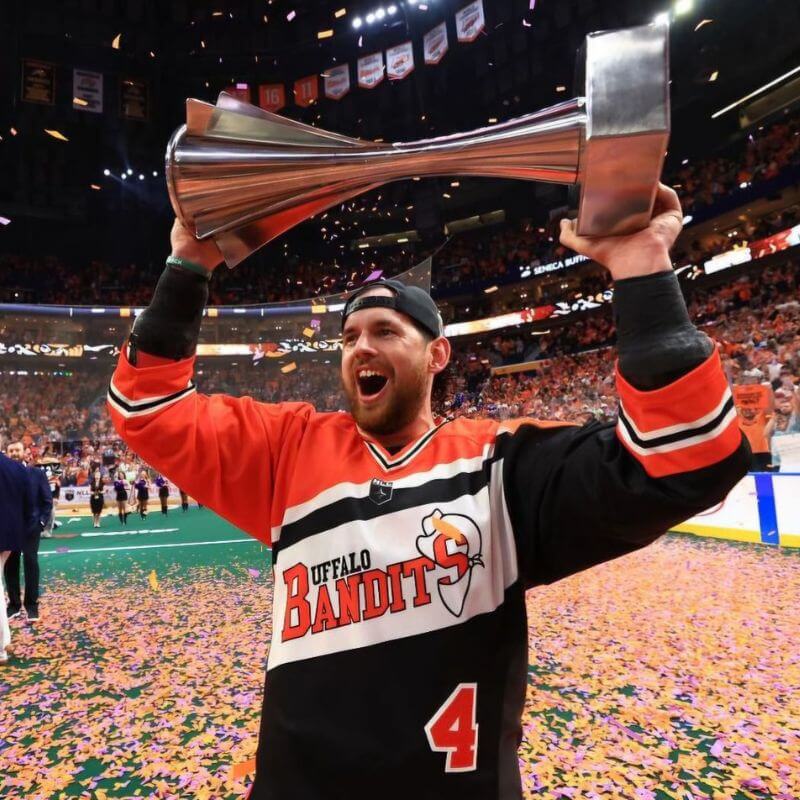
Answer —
388 462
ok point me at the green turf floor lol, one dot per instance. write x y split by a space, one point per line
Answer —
196 538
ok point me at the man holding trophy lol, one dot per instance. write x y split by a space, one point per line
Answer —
403 544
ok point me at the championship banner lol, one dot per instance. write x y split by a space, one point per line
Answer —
337 81
306 91
399 61
271 96
435 44
87 91
241 91
133 99
370 70
470 22
38 82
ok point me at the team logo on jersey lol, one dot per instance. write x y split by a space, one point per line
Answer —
453 542
380 492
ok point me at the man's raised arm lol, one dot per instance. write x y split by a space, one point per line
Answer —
578 496
222 450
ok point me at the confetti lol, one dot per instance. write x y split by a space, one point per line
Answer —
662 674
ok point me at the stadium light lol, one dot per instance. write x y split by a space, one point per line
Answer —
124 176
141 176
129 171
357 23
106 172
392 9
380 14
683 7
662 18
370 18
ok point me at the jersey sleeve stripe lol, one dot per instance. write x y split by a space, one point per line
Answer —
146 405
691 401
664 439
686 425
671 444
704 452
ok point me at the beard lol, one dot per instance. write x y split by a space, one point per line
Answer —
402 404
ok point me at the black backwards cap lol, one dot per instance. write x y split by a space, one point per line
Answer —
410 300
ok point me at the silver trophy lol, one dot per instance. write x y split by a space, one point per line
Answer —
243 175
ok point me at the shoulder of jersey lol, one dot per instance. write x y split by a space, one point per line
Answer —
463 426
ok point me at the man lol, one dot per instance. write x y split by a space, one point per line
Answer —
403 545
52 471
42 507
16 518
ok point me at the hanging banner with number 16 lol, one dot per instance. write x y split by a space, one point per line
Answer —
271 96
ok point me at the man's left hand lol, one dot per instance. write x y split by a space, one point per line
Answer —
635 254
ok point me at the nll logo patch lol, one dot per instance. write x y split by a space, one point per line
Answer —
380 492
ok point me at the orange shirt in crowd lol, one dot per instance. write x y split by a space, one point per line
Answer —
753 429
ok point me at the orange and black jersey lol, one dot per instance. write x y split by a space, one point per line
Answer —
398 659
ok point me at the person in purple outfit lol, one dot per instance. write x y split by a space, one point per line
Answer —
142 486
121 494
163 493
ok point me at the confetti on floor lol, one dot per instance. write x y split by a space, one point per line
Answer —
670 673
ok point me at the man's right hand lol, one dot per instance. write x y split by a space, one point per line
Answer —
186 245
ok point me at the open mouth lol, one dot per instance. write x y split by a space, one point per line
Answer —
370 384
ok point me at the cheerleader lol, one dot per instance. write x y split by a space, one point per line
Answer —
163 492
142 494
122 497
96 499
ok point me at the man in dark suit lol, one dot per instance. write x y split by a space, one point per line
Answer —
42 506
16 519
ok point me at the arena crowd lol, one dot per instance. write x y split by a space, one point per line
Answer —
564 374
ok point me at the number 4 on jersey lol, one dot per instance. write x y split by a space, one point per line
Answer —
453 729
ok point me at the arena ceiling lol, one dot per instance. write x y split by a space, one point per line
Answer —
524 60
